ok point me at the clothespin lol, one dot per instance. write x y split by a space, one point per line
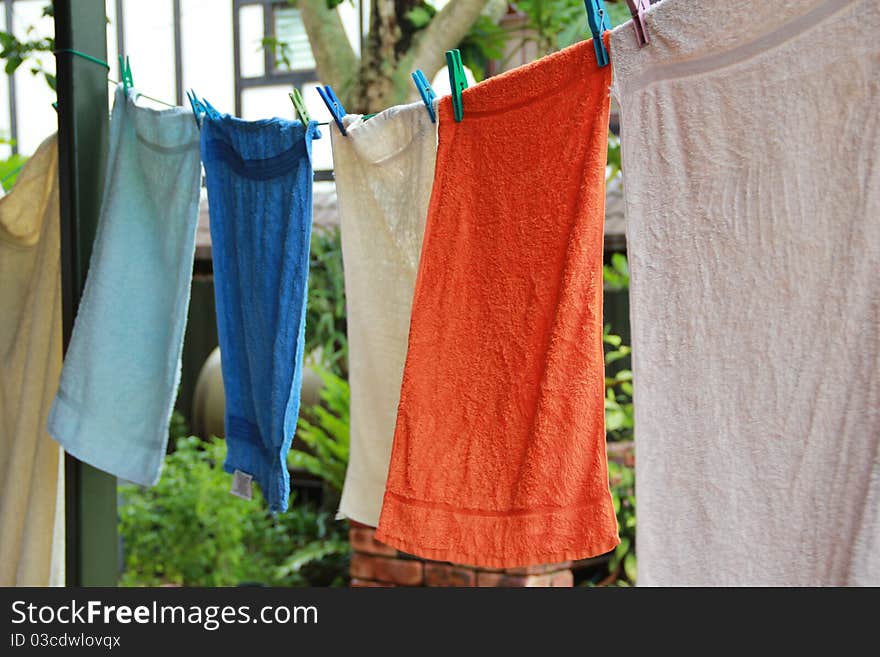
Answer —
197 107
299 106
457 82
426 92
125 72
209 109
333 104
637 8
597 17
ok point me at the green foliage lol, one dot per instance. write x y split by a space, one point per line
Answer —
280 51
619 422
16 51
188 530
420 15
484 42
618 12
616 274
556 24
622 566
326 335
324 429
613 170
10 168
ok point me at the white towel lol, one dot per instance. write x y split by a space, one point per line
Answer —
751 145
122 366
31 465
384 172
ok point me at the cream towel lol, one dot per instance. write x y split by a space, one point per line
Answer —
384 171
751 144
31 472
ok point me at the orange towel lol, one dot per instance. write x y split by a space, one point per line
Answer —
499 449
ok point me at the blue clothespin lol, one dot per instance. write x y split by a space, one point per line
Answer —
598 19
197 107
426 92
457 81
125 72
209 109
333 104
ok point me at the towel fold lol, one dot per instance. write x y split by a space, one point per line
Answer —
499 449
31 465
384 170
122 366
751 156
259 179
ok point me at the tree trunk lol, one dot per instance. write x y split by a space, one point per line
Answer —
392 49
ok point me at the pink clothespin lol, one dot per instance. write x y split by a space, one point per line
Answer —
637 9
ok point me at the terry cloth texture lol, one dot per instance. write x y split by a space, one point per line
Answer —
499 448
122 366
384 171
752 158
31 510
259 178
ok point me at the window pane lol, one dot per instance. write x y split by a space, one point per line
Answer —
251 38
292 52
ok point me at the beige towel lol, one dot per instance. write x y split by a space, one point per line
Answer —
31 473
751 143
384 169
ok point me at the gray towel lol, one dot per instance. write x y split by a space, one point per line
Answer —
751 143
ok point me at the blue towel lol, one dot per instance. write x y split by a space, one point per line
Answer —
259 179
122 367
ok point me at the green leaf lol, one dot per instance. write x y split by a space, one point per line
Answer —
419 17
629 566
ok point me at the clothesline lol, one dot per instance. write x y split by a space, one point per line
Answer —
101 62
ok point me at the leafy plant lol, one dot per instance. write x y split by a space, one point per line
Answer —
616 274
10 168
326 336
613 170
484 42
622 566
324 429
619 421
280 51
188 530
16 51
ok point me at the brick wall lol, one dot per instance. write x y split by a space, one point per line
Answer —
376 564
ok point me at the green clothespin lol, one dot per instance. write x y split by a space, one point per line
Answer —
457 82
299 106
125 72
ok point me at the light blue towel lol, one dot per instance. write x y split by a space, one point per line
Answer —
259 179
122 367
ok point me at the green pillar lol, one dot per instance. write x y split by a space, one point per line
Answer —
92 546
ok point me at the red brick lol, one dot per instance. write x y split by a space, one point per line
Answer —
562 578
363 539
520 581
539 569
385 569
368 583
447 574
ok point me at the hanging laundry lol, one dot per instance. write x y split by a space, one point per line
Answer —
122 366
384 171
751 157
31 472
259 178
499 448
